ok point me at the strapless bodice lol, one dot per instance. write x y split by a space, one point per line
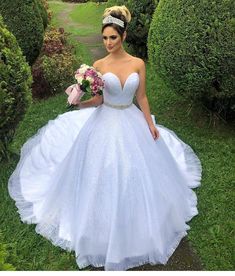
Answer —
114 93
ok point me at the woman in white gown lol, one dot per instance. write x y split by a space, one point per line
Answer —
106 181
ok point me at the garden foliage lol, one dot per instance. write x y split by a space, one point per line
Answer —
15 86
24 19
192 47
54 69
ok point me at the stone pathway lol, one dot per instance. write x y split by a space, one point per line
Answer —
94 45
93 42
184 257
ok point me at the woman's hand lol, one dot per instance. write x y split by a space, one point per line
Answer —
154 131
79 105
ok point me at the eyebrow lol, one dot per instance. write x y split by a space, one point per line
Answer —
109 36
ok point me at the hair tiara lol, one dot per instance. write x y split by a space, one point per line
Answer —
110 19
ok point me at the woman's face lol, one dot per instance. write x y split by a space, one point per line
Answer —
112 40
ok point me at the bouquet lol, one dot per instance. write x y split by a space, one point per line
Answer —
88 80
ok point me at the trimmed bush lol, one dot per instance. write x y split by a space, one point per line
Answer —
58 71
23 19
46 7
49 12
15 87
117 3
98 1
40 86
54 69
54 41
191 46
142 12
52 74
43 12
76 1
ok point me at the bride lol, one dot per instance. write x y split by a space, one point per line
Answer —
118 59
106 181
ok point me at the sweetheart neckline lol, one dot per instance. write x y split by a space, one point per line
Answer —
122 87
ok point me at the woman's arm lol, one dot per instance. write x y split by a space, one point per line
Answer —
141 94
94 101
143 101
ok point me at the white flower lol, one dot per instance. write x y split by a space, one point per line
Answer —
90 79
79 79
83 68
83 65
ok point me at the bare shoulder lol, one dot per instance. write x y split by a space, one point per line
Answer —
139 63
98 63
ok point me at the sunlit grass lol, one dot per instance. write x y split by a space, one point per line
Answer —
82 19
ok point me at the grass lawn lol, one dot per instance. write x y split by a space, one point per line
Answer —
84 16
88 14
212 231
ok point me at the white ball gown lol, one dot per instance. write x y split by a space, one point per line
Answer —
94 181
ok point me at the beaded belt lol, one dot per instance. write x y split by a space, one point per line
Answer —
121 106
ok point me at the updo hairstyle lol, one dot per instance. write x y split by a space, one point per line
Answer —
120 12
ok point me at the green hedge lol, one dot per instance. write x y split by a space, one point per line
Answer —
15 87
191 46
76 1
24 20
142 12
43 13
84 1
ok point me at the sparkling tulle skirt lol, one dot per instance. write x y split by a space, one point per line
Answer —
94 181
